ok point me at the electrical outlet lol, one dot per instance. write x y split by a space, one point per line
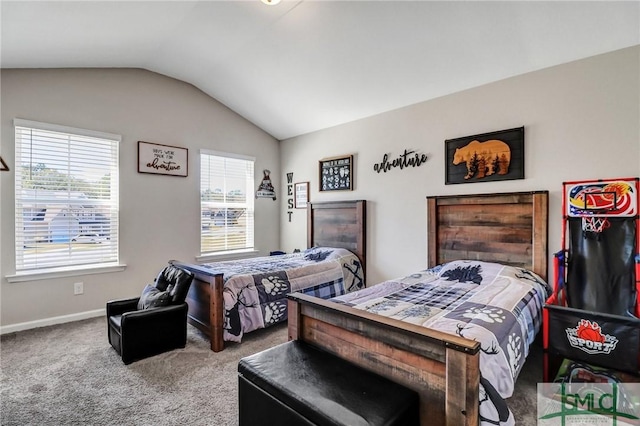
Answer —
78 288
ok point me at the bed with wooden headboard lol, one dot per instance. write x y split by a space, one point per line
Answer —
443 367
337 225
506 228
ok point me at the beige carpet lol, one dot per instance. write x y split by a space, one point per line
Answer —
69 375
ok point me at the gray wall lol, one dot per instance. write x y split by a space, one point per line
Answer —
159 215
581 122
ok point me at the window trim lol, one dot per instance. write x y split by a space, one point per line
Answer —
228 255
46 274
19 122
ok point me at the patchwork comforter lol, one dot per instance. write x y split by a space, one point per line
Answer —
496 305
255 289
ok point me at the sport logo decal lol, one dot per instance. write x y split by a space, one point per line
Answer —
588 337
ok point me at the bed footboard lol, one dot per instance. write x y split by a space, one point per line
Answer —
442 368
206 305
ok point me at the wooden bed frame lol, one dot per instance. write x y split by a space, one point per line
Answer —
340 224
442 368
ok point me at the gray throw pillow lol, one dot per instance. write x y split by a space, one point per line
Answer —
152 298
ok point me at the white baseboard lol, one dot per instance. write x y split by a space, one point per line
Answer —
51 321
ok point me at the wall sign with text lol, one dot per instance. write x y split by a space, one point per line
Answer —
162 159
302 195
290 194
336 173
410 158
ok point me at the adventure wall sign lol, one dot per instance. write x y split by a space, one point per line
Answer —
162 159
409 158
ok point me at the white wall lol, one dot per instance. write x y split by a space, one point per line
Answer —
159 215
581 122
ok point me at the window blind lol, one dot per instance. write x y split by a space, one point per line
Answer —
226 200
66 196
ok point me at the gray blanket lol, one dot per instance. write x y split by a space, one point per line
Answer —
255 289
496 305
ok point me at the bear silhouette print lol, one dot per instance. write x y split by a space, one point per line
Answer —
484 158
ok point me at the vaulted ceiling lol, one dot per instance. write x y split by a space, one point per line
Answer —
301 66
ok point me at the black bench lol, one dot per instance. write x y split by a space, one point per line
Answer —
297 384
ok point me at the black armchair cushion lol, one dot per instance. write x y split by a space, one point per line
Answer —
176 282
152 297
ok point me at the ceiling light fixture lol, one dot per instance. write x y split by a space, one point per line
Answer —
271 2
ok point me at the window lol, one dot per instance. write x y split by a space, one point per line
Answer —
66 188
226 202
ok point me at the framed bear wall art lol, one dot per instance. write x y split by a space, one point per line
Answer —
485 157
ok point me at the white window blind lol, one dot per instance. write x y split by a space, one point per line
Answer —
226 202
66 191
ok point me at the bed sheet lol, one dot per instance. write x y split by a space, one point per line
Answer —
255 289
499 306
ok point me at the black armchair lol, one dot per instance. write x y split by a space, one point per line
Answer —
153 323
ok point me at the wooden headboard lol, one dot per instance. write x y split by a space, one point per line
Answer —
509 228
340 224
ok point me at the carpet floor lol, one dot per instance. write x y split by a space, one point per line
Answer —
68 374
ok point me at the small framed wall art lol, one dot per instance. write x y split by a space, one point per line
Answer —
336 173
486 157
301 195
162 159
